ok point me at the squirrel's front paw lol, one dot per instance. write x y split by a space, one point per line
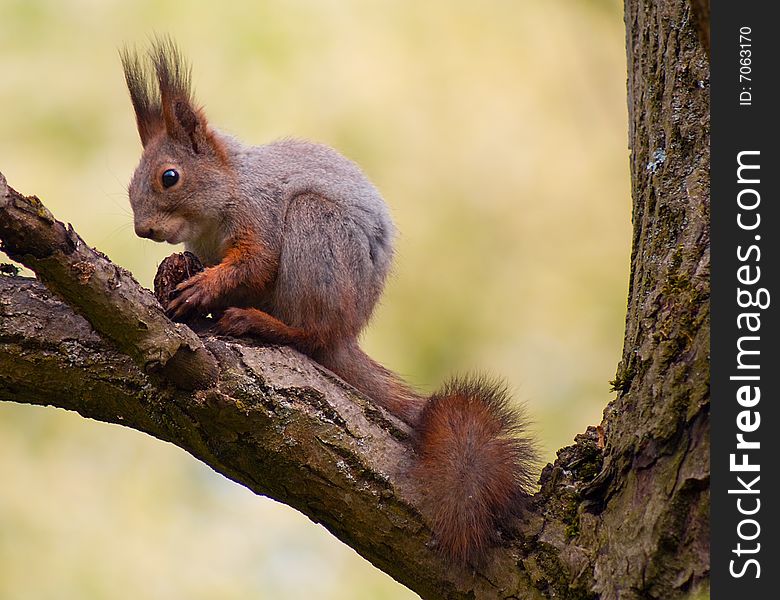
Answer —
193 296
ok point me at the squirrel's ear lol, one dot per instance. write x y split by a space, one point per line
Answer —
143 95
187 125
183 121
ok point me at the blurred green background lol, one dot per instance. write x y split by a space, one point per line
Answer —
497 133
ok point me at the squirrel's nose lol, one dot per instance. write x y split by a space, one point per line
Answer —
145 231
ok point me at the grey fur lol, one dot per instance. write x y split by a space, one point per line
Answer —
330 226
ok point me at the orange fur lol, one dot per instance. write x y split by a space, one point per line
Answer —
476 464
247 268
383 386
251 321
249 254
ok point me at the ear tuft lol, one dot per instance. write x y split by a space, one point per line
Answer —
144 95
184 121
162 98
173 71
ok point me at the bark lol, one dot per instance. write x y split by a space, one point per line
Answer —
654 536
701 18
623 513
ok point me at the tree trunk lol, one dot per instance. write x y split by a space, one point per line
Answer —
621 514
653 536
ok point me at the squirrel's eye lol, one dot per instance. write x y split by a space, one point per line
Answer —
170 177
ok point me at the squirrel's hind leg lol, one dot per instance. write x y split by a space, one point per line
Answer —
329 276
252 322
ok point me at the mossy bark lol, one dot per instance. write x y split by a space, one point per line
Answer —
652 525
622 513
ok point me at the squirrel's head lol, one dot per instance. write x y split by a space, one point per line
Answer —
184 170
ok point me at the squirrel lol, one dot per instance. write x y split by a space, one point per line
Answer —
297 244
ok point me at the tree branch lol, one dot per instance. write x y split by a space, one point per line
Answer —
272 419
103 292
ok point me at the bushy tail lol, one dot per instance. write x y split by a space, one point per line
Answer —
474 458
476 461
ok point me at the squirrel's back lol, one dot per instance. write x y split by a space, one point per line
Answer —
327 227
292 166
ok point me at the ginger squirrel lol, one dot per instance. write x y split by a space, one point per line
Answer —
297 244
